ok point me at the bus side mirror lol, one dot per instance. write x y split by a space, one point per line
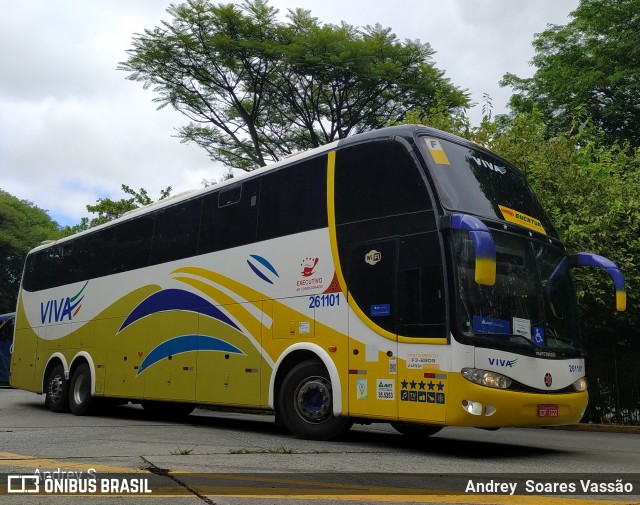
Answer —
594 260
483 245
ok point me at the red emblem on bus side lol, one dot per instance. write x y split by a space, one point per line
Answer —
308 265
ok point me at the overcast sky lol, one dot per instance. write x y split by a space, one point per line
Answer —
73 129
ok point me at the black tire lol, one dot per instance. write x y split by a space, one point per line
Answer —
416 430
56 390
81 400
305 403
168 410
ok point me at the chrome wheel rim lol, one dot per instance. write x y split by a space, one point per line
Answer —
80 390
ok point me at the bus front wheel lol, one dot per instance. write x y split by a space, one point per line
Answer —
57 390
305 403
80 397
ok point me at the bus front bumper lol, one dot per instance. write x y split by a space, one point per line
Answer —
470 404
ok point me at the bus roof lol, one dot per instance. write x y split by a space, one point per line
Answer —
388 132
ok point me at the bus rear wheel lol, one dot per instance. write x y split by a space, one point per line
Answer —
80 398
305 403
416 430
57 390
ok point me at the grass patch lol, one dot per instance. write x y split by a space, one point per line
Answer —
181 452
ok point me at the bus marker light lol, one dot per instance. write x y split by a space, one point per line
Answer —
580 385
332 348
473 408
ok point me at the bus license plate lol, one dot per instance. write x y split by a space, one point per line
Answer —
547 411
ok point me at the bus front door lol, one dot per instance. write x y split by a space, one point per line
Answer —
373 346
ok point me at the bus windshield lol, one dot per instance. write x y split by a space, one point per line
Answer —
532 304
473 181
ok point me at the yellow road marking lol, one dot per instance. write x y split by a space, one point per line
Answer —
436 499
22 461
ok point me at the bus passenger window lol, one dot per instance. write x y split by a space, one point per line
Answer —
175 234
294 199
229 196
133 244
94 252
229 217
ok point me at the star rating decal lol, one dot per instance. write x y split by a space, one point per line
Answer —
422 392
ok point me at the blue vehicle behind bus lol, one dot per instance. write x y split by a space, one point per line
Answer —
6 339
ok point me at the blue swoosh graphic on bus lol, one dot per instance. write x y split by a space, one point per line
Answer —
186 343
265 263
176 299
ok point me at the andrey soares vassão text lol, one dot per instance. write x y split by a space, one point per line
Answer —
530 486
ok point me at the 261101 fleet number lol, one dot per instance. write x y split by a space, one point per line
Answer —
320 301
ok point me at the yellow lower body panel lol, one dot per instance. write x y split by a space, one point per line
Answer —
494 408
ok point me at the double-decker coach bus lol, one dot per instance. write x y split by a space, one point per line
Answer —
402 275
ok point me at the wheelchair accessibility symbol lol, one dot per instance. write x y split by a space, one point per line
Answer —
538 335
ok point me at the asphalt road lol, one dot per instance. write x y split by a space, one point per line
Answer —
215 458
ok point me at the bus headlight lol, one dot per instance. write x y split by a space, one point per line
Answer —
580 385
486 378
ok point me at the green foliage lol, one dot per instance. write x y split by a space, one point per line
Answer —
256 89
438 116
22 227
108 209
225 177
590 65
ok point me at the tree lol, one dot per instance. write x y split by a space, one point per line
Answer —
591 64
256 89
22 227
109 210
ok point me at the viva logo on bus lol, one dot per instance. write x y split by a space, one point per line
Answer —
60 309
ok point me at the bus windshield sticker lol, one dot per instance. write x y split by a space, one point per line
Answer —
437 151
538 335
380 310
490 325
522 327
513 216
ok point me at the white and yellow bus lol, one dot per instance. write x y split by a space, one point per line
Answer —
402 275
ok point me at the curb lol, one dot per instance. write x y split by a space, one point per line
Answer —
604 428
